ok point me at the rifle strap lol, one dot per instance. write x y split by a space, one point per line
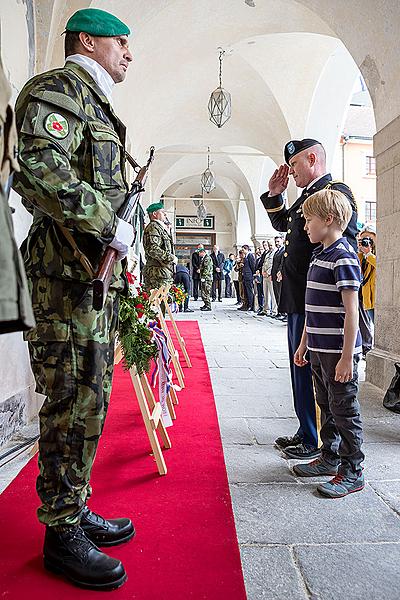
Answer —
83 259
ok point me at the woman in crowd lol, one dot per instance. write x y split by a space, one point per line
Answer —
367 256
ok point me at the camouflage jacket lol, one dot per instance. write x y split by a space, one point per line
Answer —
72 159
159 252
15 304
206 268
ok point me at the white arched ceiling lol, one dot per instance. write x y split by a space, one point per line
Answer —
281 59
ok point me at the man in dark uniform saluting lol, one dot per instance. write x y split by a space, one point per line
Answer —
306 162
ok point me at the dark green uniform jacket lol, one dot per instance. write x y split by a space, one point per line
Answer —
72 162
159 254
15 305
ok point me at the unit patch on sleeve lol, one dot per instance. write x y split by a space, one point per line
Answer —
56 125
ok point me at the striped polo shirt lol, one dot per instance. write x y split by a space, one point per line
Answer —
332 270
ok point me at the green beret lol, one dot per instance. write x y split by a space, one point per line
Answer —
154 207
97 22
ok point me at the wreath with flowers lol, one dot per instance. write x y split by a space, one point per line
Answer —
177 294
136 315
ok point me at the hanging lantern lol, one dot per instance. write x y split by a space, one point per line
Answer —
202 211
220 103
207 178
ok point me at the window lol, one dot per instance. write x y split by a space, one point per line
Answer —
370 165
370 211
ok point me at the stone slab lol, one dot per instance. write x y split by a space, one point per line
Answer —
232 374
270 574
266 431
389 491
382 461
238 406
351 572
235 431
382 429
256 464
295 514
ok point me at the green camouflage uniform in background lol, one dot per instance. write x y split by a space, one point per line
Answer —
72 173
159 253
206 276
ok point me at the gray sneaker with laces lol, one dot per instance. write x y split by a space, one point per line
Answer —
315 468
341 486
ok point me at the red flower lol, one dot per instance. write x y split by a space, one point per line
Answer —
139 305
140 314
131 278
145 296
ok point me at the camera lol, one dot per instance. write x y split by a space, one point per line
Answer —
365 242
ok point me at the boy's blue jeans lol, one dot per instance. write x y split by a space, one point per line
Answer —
341 427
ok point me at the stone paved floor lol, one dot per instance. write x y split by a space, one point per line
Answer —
294 544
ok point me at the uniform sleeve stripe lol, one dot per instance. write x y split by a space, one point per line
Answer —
277 209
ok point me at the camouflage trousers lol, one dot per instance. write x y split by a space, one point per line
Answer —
206 292
72 359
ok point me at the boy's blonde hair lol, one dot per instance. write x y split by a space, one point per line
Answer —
329 202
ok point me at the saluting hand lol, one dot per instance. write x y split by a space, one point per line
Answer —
279 181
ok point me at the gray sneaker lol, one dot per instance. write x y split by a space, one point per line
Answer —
315 468
341 486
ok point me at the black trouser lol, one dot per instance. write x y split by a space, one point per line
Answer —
260 295
228 286
216 285
196 283
341 427
249 291
237 290
364 323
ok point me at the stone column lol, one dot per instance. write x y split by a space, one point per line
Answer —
380 361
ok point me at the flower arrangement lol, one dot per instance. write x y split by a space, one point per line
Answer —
135 334
177 294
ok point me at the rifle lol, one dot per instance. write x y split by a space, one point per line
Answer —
101 282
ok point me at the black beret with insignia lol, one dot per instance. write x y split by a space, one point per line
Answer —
295 146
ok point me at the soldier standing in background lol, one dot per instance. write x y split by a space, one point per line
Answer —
15 304
72 179
158 249
206 278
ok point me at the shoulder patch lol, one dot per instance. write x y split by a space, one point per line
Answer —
56 125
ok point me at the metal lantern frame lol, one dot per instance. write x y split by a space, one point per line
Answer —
220 102
208 177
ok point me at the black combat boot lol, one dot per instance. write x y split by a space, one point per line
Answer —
103 532
67 551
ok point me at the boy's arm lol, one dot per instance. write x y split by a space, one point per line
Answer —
298 358
344 368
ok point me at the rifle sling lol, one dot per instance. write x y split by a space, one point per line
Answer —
83 259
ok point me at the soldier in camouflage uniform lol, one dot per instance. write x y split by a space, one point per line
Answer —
206 278
15 304
158 249
72 179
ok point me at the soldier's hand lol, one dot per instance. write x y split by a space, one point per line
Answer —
279 181
279 276
175 260
123 238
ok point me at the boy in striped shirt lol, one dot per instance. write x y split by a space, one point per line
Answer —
332 337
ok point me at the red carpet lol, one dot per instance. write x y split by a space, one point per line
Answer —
185 545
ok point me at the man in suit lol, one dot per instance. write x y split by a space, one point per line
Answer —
249 268
276 272
306 162
218 260
182 277
196 271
